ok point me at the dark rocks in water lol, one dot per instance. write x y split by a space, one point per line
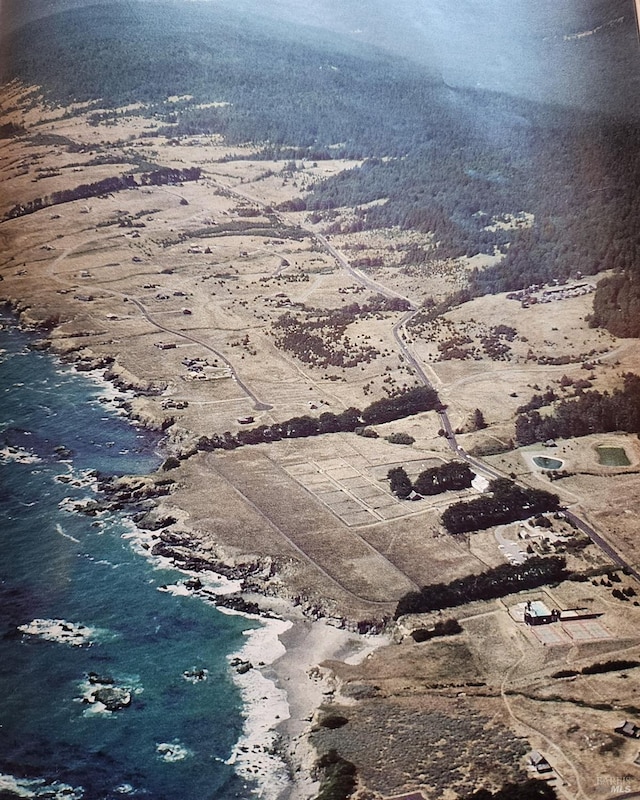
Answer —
237 603
90 509
193 583
241 666
178 539
195 675
104 680
151 523
112 697
62 452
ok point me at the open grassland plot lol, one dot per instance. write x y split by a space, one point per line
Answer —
349 492
323 540
424 743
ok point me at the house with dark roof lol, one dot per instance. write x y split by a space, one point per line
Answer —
629 729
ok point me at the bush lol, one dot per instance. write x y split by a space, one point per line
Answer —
565 673
332 721
400 438
339 778
400 482
446 627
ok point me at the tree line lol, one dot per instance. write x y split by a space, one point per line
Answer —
589 412
495 582
507 502
403 404
117 183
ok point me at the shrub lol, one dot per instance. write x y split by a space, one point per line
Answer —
446 627
565 673
332 721
400 438
339 778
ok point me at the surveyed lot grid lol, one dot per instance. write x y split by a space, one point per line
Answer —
349 490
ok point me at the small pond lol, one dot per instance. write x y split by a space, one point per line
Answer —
547 463
612 456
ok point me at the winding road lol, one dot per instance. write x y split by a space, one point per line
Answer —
458 450
257 404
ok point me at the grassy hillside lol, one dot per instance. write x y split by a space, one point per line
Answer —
443 159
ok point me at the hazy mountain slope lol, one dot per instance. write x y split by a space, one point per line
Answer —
569 52
305 82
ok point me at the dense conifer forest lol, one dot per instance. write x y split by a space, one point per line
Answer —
442 159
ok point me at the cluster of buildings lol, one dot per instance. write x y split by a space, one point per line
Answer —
538 294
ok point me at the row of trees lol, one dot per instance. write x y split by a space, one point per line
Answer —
117 183
403 404
590 412
453 476
507 502
495 582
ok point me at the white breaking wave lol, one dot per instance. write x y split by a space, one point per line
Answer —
38 787
171 752
61 631
18 455
265 706
66 535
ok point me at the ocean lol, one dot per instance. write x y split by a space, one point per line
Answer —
114 680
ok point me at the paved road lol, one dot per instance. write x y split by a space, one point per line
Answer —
361 277
602 544
477 464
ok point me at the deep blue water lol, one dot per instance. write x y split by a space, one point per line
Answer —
57 564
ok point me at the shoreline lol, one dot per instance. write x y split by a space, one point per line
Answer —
285 684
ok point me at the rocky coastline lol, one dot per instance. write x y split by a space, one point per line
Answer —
255 585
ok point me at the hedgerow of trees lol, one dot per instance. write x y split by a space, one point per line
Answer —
403 404
496 582
506 502
118 183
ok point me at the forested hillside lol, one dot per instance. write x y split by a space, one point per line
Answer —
441 159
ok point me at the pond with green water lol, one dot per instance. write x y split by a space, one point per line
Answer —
547 463
612 456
